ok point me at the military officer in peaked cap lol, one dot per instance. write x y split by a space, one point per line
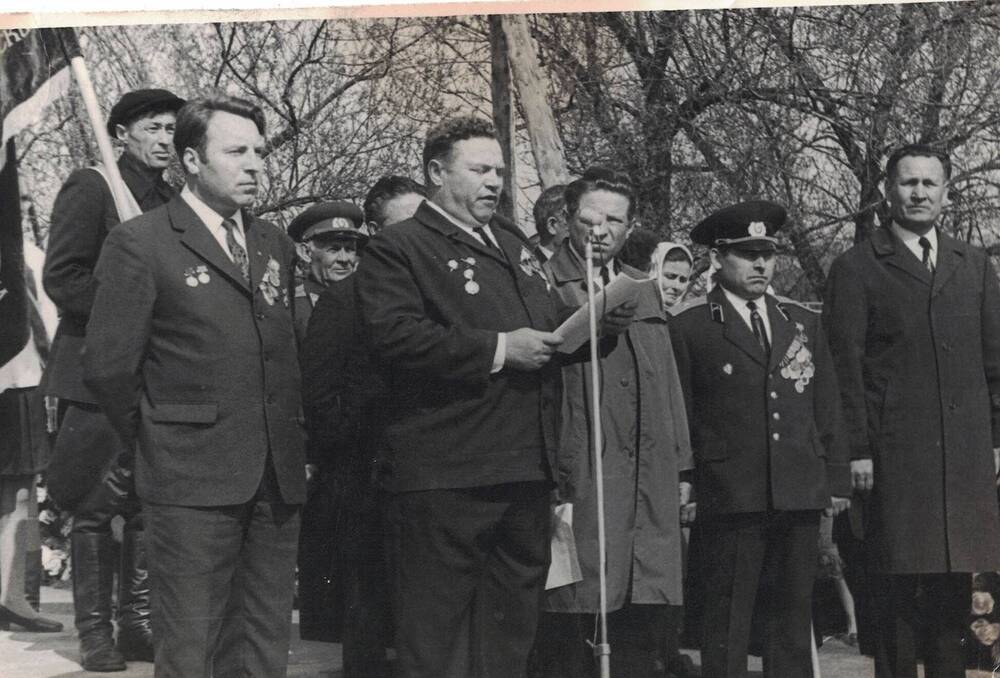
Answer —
332 232
763 408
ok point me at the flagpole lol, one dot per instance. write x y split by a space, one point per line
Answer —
602 650
117 184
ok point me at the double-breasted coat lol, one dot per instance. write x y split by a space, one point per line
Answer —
646 446
196 364
918 360
432 305
765 431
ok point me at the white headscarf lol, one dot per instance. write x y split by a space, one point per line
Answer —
659 256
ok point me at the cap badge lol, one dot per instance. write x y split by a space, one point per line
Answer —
757 229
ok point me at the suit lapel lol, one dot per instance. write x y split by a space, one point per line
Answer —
950 256
194 234
897 255
735 330
782 332
430 216
258 248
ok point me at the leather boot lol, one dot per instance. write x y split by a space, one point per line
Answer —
93 582
135 633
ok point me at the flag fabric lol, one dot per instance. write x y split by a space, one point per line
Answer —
34 70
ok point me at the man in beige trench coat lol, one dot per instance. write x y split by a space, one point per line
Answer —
646 448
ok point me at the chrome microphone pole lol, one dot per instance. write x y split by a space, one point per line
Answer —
602 650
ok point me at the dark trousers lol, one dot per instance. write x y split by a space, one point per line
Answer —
468 570
635 633
777 550
223 579
86 447
921 615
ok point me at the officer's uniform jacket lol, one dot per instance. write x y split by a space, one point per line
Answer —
918 362
433 299
83 214
195 364
307 294
765 433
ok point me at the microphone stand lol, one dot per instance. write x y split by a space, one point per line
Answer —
602 650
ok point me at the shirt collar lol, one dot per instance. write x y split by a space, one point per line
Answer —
471 230
912 240
740 304
212 219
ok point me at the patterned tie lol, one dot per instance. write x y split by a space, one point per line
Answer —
925 245
236 249
757 323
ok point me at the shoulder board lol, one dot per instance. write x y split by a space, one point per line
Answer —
811 306
300 291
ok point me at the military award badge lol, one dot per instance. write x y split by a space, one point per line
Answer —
196 275
797 363
270 286
468 272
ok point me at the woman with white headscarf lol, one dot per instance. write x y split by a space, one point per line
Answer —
671 265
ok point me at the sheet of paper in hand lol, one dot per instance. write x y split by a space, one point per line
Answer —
576 330
565 567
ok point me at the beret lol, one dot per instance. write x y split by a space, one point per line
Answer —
748 225
135 103
328 218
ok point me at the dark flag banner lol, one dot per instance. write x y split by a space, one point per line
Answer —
34 70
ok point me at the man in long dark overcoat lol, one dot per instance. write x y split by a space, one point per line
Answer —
913 317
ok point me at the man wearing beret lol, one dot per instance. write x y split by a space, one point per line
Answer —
332 234
763 409
86 445
914 322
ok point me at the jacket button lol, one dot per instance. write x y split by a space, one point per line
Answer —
624 381
776 436
260 315
776 416
774 395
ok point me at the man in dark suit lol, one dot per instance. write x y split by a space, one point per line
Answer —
763 409
459 320
914 322
191 353
91 471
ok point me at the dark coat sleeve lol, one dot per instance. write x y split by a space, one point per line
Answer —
400 326
845 317
119 330
76 235
829 421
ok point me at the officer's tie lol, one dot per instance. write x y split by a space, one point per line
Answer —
759 331
925 245
236 250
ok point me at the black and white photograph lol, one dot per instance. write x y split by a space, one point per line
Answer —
544 340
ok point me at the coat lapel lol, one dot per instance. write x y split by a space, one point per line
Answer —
782 332
430 216
949 258
735 330
197 238
258 248
891 250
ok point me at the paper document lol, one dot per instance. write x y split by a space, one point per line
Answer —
576 330
565 567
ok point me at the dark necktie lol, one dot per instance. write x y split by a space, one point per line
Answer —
925 245
759 331
236 249
605 276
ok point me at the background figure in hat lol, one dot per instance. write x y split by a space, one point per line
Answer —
91 471
764 412
342 578
332 233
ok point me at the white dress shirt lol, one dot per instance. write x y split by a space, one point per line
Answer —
912 242
740 304
479 233
213 221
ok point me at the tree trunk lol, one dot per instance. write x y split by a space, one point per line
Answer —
503 115
532 91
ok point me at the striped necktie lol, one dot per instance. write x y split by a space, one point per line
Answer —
236 250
